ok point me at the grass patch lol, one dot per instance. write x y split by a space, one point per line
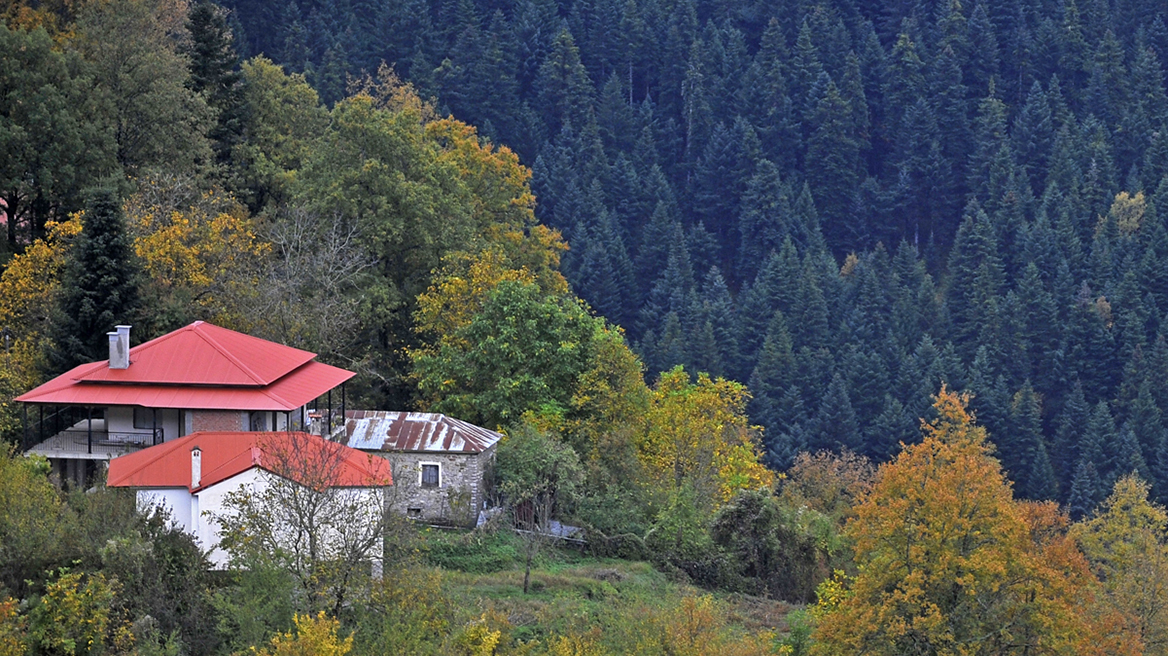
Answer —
475 551
621 606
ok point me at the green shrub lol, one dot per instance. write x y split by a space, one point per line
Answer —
476 552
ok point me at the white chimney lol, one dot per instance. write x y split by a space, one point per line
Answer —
196 467
119 355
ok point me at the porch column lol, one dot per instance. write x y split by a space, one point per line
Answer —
343 420
153 426
328 431
89 429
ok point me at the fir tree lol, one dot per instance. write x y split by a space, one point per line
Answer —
99 286
835 424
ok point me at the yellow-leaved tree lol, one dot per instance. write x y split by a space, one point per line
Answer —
698 434
28 295
199 250
1127 547
949 563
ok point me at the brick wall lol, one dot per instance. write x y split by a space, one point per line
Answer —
218 420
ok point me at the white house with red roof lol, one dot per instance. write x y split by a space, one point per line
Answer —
198 378
191 477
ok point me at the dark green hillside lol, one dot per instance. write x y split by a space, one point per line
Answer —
996 168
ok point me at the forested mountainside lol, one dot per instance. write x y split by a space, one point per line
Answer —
841 203
838 222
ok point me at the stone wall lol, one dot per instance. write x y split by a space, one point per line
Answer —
460 492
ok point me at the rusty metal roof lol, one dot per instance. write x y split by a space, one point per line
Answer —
379 430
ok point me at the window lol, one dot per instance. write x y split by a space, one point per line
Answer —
257 421
143 418
414 513
430 475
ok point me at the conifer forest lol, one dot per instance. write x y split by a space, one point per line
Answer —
837 326
840 204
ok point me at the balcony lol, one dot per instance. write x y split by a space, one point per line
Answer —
83 441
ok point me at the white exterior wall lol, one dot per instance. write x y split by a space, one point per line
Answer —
176 502
195 513
210 503
120 419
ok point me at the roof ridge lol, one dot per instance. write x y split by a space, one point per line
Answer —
227 354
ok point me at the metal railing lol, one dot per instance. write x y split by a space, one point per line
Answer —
99 442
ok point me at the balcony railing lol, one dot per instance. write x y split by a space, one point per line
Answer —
77 441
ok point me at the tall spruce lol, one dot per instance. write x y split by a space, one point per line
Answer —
99 287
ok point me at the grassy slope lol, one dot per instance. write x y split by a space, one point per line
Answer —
622 603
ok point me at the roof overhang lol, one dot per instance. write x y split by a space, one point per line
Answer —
295 389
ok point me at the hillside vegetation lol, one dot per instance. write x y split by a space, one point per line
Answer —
860 307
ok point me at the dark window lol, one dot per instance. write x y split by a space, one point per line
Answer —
257 421
414 513
143 418
429 475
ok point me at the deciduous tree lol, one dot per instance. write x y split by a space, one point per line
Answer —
949 563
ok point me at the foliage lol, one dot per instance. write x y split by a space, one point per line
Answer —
99 285
407 612
1127 549
313 636
775 549
52 133
138 69
12 631
301 521
75 616
199 252
257 603
539 478
31 529
523 351
948 562
826 482
698 434
28 294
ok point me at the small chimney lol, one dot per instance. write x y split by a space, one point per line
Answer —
119 355
124 340
196 467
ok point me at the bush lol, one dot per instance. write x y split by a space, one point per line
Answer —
477 552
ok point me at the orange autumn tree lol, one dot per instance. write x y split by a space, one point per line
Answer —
949 563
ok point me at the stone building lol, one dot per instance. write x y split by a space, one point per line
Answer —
442 466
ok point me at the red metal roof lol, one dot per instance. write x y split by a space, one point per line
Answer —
378 430
201 354
319 462
201 366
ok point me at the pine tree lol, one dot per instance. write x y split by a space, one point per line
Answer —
99 286
835 424
1086 490
1100 444
1023 449
766 211
563 88
214 67
833 156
